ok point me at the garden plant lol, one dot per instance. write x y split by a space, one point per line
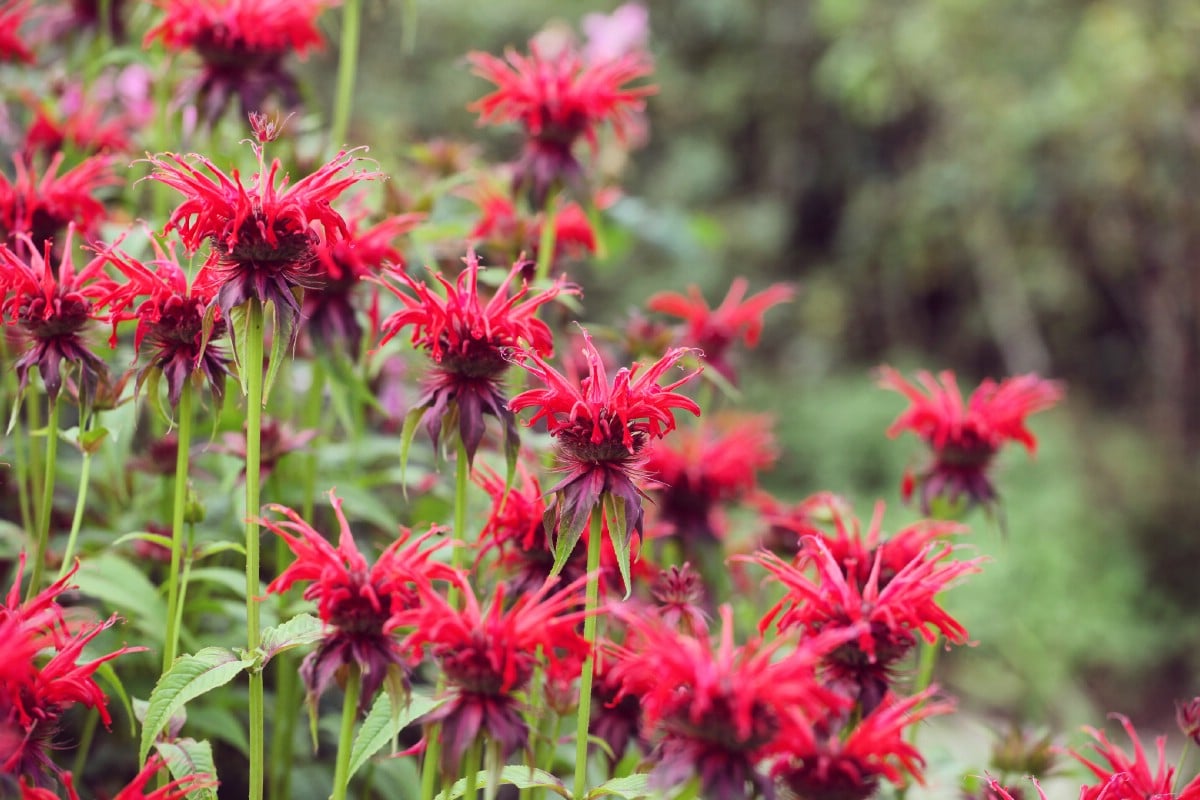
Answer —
320 478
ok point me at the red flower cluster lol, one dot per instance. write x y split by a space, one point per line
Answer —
242 44
602 430
966 436
887 609
704 466
502 228
361 605
469 340
135 789
1125 778
558 98
53 306
488 655
713 330
34 697
170 318
264 244
826 760
329 314
13 15
41 207
718 713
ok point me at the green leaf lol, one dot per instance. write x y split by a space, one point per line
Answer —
618 531
152 379
298 631
239 332
279 346
106 671
143 536
411 420
630 787
186 757
570 531
188 678
213 548
232 579
120 585
382 726
521 777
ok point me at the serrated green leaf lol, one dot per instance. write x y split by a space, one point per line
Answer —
570 531
630 787
121 586
298 631
186 757
188 678
521 777
411 420
382 725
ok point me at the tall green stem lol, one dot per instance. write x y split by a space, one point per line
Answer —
545 259
178 507
47 506
85 473
341 773
462 473
591 601
347 67
252 361
471 768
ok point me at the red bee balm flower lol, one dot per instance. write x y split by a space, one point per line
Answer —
718 712
713 330
53 307
42 207
468 340
712 463
135 789
828 761
243 44
558 99
264 245
329 312
602 431
887 617
965 437
13 15
488 655
33 698
1131 779
361 606
170 318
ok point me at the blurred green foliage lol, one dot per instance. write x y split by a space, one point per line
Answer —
997 186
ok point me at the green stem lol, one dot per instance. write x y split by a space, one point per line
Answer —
252 360
33 422
312 419
471 768
47 506
178 506
462 472
545 259
591 601
341 774
20 463
85 473
85 743
926 659
1187 746
347 66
